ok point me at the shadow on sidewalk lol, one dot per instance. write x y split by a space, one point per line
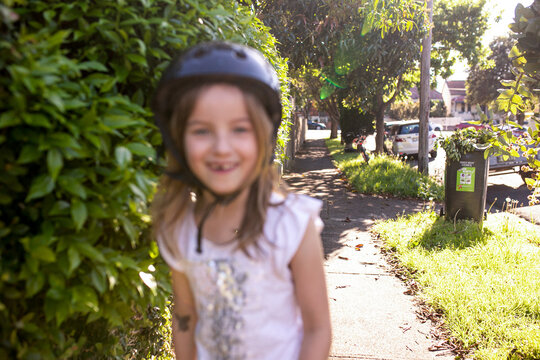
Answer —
343 211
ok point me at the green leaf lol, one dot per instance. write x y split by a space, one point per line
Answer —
8 119
137 59
89 251
43 253
120 121
84 298
96 211
137 191
57 101
29 153
92 65
129 229
36 120
78 213
141 149
57 305
74 258
99 281
54 162
41 186
34 284
122 156
72 186
124 262
62 140
59 208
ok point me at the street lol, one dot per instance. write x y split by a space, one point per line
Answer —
500 186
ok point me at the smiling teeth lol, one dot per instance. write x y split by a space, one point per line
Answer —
223 167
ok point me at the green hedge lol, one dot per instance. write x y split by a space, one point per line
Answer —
80 274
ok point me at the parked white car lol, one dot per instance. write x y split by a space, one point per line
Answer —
403 136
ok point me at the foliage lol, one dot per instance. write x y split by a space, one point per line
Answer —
81 275
355 51
438 109
366 53
379 176
466 140
521 93
408 109
457 32
482 279
404 110
355 121
484 79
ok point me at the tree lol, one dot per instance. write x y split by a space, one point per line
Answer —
521 93
458 27
485 78
358 54
367 52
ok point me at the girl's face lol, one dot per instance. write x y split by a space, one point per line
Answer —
220 140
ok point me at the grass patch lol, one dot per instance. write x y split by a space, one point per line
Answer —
484 279
384 175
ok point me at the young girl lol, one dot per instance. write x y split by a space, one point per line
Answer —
245 256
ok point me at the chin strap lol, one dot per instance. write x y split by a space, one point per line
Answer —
219 199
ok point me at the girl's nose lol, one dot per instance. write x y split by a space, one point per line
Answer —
223 143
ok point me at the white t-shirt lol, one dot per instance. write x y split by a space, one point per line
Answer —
246 306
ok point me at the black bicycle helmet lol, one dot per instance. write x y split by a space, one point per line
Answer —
214 62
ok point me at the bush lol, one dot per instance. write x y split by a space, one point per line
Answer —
409 109
404 110
80 272
355 122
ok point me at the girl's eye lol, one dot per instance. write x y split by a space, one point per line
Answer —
241 129
200 131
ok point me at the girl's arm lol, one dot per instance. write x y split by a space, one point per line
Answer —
184 317
310 288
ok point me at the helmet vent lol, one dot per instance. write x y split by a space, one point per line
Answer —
241 54
199 53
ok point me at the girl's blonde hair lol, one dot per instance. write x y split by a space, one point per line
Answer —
174 197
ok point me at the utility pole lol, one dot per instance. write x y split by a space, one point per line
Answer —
425 65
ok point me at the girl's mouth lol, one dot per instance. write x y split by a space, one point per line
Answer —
222 167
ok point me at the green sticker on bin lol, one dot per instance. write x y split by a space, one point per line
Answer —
465 179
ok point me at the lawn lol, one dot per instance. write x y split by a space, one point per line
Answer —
485 280
381 174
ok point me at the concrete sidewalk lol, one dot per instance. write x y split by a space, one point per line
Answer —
372 315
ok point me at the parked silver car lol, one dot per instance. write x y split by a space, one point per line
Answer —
403 136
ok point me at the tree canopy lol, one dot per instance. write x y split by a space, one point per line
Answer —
484 78
367 55
458 27
356 54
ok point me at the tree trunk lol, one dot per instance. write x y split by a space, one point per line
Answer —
330 106
380 105
425 64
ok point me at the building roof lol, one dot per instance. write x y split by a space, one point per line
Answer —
456 87
433 94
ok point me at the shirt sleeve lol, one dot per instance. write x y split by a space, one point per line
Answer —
298 211
174 261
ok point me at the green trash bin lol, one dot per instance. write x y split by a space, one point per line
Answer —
466 187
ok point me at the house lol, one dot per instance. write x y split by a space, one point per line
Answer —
434 95
454 95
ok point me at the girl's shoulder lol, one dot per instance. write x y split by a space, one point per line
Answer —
287 219
297 205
